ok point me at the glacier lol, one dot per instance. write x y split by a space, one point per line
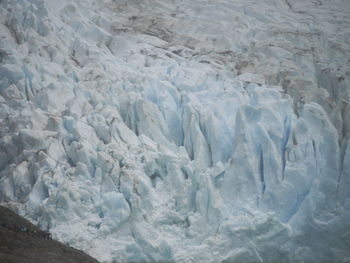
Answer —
179 131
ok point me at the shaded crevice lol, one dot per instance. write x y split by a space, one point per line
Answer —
202 129
285 139
315 153
218 180
184 172
341 172
261 172
154 177
69 159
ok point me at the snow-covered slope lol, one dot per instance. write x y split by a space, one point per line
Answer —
179 131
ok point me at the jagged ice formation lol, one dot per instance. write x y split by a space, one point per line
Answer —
179 131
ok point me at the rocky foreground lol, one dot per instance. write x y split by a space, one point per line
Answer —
17 245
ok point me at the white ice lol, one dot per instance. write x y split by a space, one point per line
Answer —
179 131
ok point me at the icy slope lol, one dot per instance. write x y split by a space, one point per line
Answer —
179 131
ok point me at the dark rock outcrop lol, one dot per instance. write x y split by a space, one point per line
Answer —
21 241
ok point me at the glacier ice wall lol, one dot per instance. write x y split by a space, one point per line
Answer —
179 131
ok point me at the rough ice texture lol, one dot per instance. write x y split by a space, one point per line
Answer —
168 131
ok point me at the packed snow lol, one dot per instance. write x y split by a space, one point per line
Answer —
179 131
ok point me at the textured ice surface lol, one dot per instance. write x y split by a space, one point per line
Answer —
179 131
